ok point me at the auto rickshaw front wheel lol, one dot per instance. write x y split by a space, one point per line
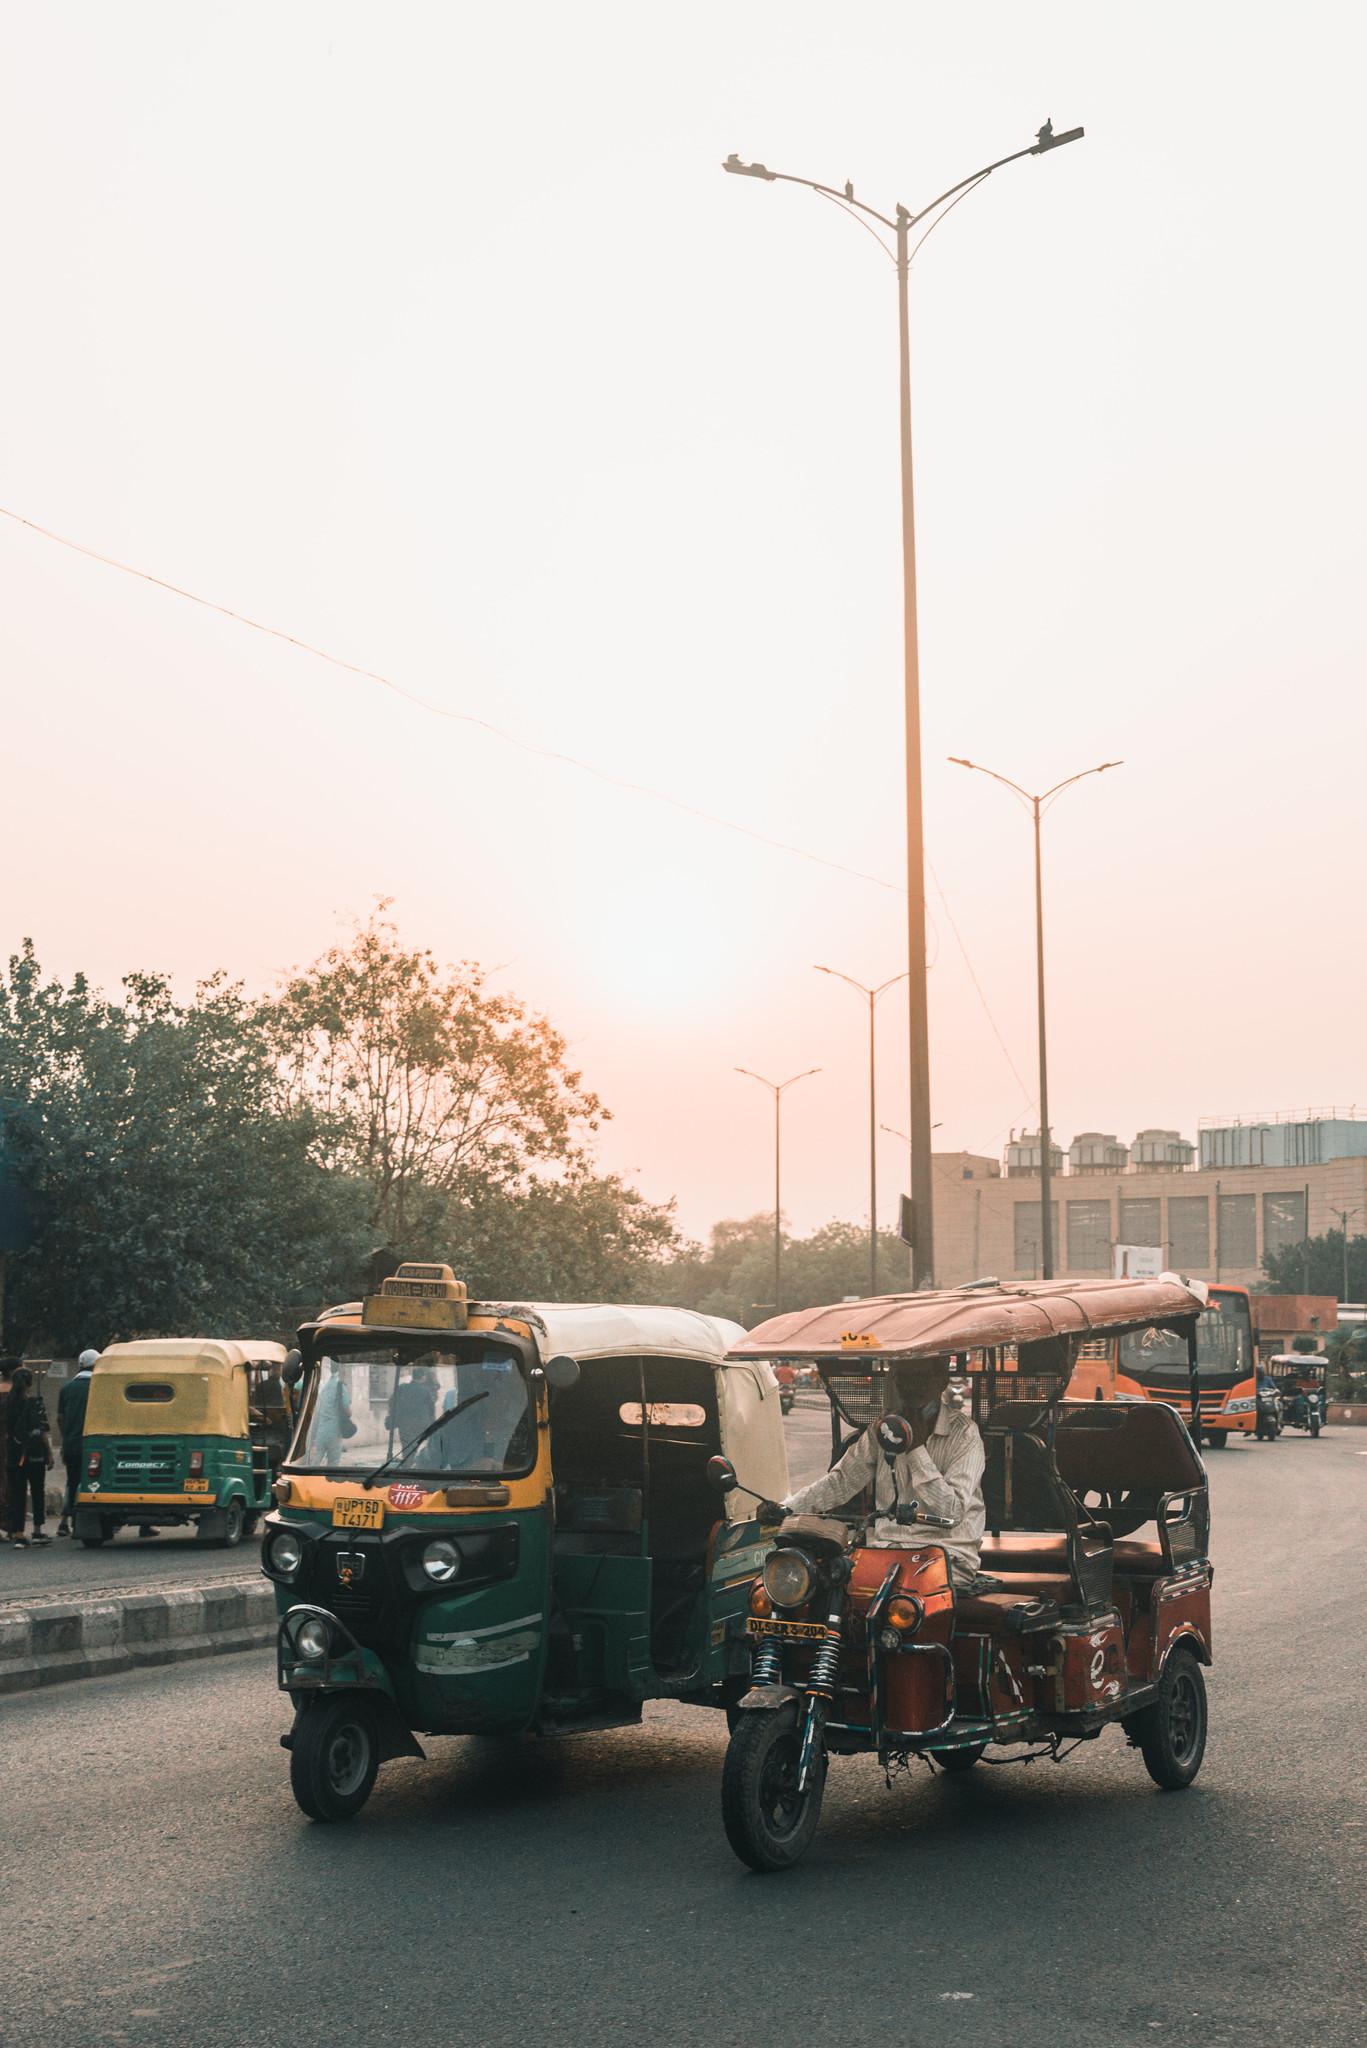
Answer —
768 1822
334 1756
1171 1734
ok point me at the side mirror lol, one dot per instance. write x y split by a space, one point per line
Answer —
721 1473
562 1372
292 1371
894 1436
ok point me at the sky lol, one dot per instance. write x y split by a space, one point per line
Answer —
436 338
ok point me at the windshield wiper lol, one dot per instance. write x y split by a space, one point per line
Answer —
392 1464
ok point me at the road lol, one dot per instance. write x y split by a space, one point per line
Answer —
130 1564
166 1890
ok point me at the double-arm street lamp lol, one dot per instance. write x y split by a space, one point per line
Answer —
901 254
872 995
778 1087
1037 805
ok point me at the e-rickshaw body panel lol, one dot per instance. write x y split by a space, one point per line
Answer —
1092 1601
177 1431
584 1562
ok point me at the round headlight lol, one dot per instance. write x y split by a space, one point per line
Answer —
788 1578
286 1552
311 1640
441 1561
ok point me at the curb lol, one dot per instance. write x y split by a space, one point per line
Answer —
50 1643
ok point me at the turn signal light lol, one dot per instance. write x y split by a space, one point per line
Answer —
196 1464
760 1603
92 1465
281 1492
904 1612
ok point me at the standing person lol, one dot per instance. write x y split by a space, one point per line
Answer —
71 1406
28 1456
332 1422
7 1366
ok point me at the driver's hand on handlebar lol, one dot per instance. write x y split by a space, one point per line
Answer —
769 1513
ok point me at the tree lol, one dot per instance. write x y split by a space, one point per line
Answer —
1315 1266
734 1275
172 1186
585 1237
424 1082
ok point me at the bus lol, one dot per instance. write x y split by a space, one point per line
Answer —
1151 1365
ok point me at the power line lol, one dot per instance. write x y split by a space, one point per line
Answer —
510 739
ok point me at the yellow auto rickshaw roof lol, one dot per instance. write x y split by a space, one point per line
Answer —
200 1383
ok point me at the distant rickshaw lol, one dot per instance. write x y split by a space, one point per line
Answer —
498 1519
1300 1382
182 1431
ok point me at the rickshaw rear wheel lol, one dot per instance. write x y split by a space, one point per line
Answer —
333 1759
768 1822
1172 1732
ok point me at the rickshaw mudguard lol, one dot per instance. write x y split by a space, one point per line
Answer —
771 1699
396 1738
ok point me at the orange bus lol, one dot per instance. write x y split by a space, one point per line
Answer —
1151 1365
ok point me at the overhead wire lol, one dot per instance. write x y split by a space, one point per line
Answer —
512 739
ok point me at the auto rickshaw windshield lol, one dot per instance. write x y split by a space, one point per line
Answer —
373 1402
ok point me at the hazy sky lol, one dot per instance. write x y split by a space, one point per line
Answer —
436 336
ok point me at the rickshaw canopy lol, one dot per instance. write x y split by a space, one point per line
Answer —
175 1386
943 1320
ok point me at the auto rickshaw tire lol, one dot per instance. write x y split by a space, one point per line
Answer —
762 1754
223 1530
1171 1734
334 1756
92 1542
251 1522
1217 1439
955 1760
1314 1423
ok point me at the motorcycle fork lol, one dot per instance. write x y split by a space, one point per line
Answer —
821 1681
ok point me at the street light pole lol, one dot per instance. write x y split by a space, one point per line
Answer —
872 995
1037 805
1343 1216
778 1088
902 254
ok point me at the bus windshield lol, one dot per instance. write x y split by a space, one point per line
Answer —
1224 1347
373 1403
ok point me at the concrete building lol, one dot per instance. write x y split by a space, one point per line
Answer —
1212 1222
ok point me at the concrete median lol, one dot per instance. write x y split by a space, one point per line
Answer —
49 1640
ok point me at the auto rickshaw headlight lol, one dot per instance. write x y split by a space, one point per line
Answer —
285 1553
311 1640
441 1561
788 1578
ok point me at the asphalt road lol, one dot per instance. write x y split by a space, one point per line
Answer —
129 1564
163 1888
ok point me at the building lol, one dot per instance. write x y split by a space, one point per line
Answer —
1211 1221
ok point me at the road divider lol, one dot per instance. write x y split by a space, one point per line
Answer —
49 1639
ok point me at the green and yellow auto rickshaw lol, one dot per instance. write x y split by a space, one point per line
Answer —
183 1430
497 1519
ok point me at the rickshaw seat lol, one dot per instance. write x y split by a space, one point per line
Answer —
1011 1553
1035 1604
1138 1560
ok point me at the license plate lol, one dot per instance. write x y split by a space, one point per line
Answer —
795 1631
196 1486
358 1514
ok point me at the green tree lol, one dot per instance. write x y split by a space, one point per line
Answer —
734 1274
1316 1267
584 1237
426 1084
172 1185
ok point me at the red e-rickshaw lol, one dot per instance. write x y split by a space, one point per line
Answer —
1092 1607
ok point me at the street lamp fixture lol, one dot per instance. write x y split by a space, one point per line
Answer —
1037 806
900 225
778 1088
872 995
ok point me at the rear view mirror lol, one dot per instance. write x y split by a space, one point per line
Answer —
562 1372
721 1473
894 1435
292 1371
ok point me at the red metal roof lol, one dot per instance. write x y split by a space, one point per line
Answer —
969 1318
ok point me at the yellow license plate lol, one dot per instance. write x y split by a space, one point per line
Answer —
797 1631
196 1486
358 1514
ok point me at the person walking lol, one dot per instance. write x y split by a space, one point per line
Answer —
71 1406
28 1456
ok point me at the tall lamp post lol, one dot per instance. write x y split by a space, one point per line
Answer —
1344 1216
1037 805
901 225
778 1087
872 995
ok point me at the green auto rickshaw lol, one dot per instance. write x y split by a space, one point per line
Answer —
183 1430
497 1519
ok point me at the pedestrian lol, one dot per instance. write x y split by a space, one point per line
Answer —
71 1406
28 1456
7 1366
